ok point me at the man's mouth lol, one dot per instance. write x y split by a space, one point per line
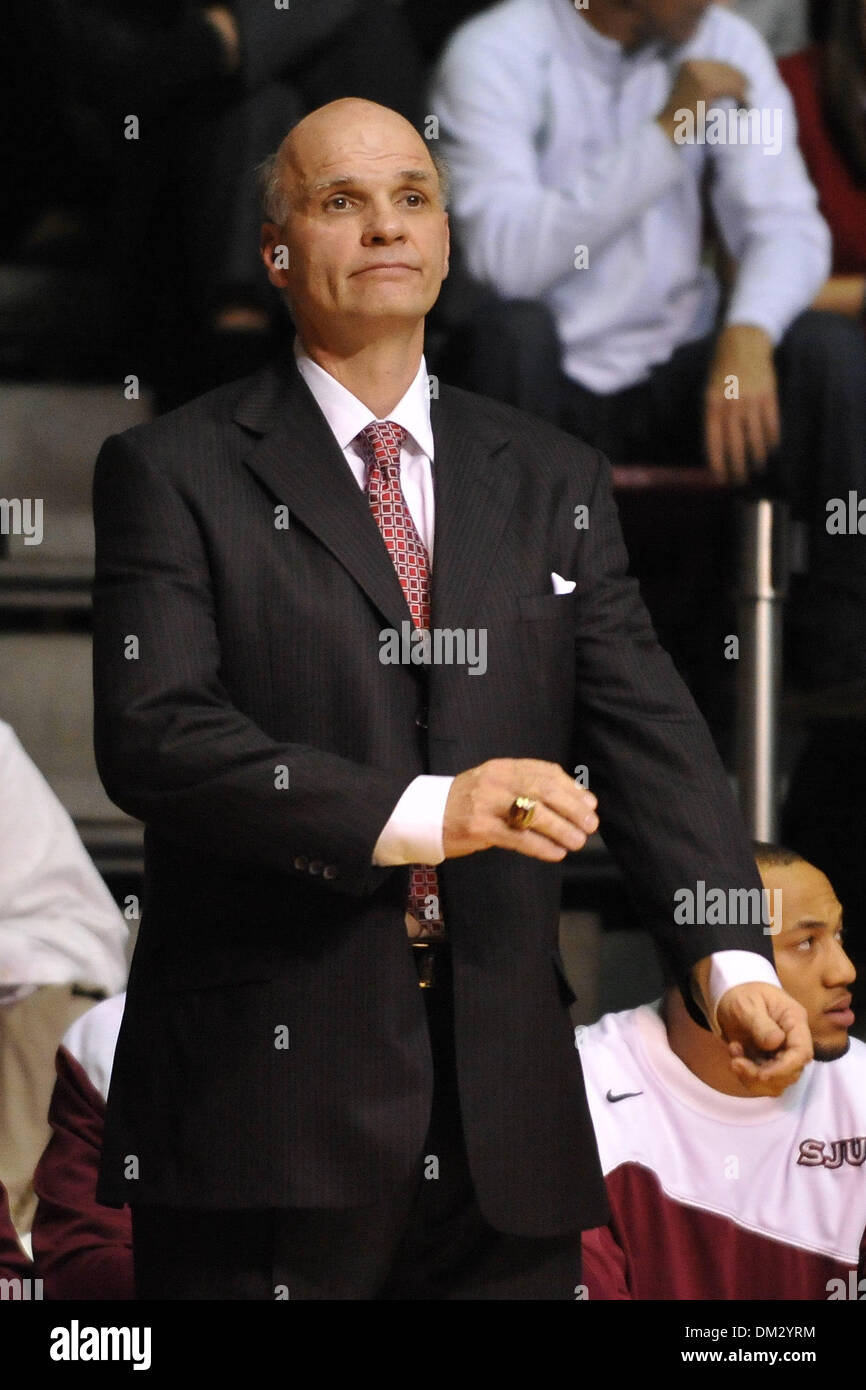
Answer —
841 1013
379 266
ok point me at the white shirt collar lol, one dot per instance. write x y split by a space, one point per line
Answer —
347 416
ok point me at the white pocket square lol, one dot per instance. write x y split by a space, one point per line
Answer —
563 586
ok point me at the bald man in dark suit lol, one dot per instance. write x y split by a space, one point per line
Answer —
350 643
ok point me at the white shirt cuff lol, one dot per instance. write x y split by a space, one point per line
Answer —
413 832
729 968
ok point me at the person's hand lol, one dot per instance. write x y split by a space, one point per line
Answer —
741 418
701 79
768 1036
479 801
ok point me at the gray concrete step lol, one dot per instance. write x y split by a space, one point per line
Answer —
50 435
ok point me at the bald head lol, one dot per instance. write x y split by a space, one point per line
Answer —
319 150
356 233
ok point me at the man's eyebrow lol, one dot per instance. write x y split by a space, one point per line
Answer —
338 180
813 924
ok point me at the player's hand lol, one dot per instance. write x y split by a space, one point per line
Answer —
701 79
741 417
479 801
768 1036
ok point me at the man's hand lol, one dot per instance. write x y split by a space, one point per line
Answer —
701 79
768 1036
479 801
742 402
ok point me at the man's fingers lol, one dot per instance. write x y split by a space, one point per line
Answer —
545 826
776 1072
715 441
771 1077
476 811
772 420
553 791
533 845
755 432
735 444
726 439
767 1036
795 1025
557 812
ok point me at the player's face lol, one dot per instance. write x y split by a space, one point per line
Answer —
810 959
673 21
367 234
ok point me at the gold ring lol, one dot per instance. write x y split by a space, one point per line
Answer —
520 813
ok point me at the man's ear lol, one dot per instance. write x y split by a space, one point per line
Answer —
275 254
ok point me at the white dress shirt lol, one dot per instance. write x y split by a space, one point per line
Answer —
550 131
413 832
58 922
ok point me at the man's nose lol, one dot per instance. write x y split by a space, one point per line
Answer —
384 224
840 967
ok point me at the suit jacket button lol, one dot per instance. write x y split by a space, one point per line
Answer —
315 866
301 861
329 871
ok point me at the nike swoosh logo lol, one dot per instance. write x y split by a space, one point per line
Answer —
626 1095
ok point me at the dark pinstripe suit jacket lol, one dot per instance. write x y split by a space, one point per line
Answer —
228 648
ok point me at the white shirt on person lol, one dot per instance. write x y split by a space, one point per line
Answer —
566 188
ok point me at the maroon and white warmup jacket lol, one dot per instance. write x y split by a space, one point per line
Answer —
81 1249
722 1197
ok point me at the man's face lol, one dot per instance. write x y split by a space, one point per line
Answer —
810 960
672 21
367 234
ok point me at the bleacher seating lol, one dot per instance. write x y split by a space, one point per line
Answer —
50 434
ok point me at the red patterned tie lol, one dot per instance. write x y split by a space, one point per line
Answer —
380 442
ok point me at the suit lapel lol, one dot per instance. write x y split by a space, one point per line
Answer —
474 489
297 458
300 462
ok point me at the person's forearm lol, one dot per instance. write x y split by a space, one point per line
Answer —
523 240
843 294
776 280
